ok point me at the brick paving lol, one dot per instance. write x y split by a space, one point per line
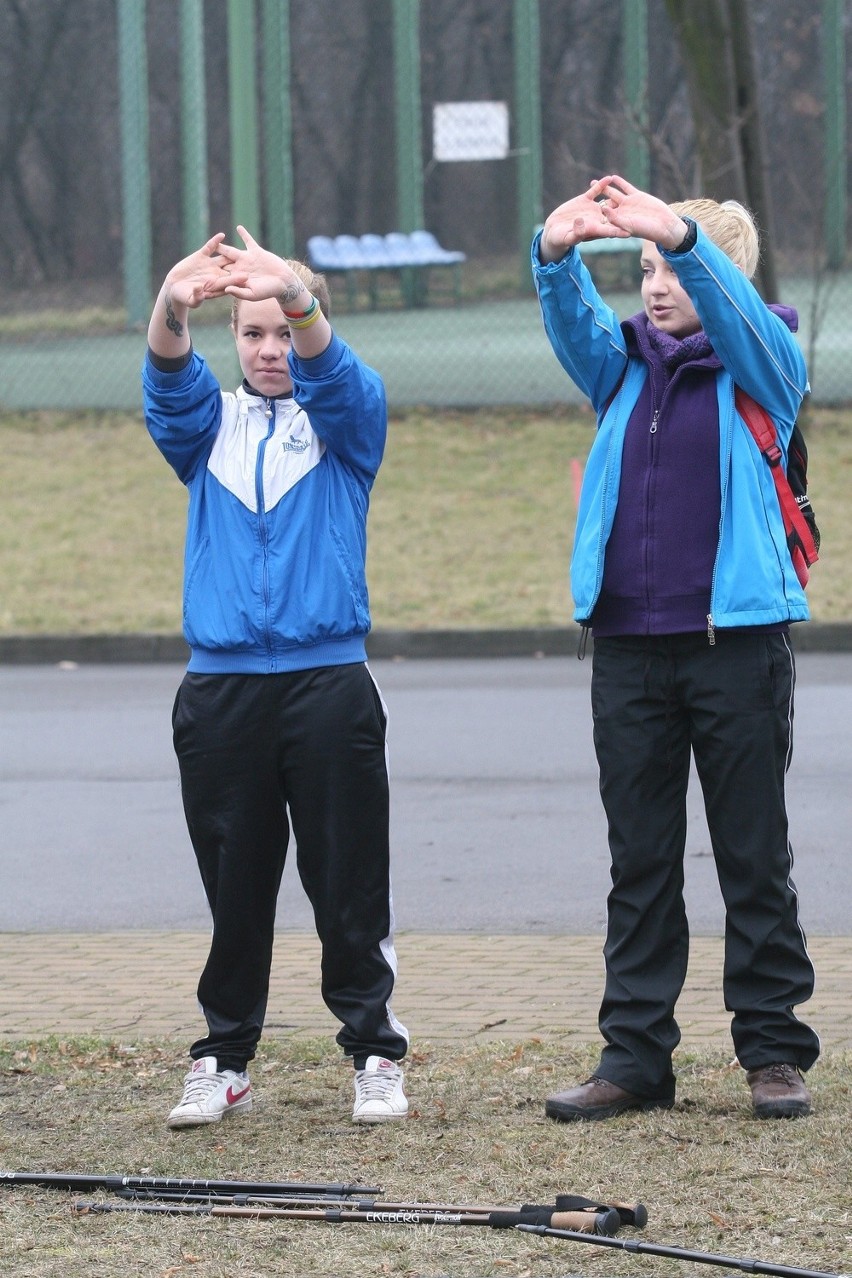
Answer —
136 985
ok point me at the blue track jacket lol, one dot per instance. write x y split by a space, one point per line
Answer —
754 581
274 567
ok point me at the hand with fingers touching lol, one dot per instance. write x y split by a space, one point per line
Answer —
577 220
201 275
259 274
634 212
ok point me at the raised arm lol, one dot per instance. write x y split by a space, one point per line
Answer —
201 275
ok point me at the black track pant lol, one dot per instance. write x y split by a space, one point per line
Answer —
654 702
252 748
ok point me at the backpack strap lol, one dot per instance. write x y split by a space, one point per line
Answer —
800 539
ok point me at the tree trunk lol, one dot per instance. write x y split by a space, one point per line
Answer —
753 144
717 49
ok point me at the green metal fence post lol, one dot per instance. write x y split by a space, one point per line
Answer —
634 46
527 68
834 78
193 126
277 128
242 111
409 142
135 171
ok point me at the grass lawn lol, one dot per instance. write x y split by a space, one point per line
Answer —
713 1178
470 524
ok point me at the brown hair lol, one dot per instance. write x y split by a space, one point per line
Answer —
315 284
730 226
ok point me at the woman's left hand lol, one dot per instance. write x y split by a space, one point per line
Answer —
259 274
636 212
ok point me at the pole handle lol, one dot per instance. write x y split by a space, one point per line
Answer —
604 1223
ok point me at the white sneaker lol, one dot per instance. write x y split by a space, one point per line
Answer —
209 1094
378 1092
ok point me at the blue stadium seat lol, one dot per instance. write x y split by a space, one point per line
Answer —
428 250
323 254
411 254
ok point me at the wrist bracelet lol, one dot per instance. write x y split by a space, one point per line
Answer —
305 321
302 315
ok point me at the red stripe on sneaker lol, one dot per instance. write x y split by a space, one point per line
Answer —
232 1097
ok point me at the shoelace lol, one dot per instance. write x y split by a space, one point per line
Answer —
199 1086
376 1085
782 1074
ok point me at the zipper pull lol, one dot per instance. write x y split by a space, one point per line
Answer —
711 630
268 409
654 421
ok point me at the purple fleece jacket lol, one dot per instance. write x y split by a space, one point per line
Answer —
659 559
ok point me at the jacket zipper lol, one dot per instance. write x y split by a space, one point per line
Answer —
649 484
263 528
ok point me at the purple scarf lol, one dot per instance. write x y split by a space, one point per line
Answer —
674 351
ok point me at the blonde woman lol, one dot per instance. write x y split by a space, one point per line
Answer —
278 721
682 573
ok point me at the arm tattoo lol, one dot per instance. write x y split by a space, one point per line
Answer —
290 294
173 324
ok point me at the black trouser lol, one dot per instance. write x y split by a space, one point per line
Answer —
655 700
250 748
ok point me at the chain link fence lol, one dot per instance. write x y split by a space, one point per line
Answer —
131 129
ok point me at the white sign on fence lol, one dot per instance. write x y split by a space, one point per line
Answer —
470 131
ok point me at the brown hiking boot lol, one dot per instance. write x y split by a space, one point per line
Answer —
597 1098
778 1091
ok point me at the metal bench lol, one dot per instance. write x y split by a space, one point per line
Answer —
412 256
623 253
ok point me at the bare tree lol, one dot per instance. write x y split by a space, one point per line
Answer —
716 45
28 166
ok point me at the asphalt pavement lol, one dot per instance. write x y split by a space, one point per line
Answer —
496 819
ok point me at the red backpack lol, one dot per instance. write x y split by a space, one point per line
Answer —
803 538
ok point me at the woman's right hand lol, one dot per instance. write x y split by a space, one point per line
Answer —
203 274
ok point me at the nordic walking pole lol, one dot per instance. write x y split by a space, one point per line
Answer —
629 1213
89 1183
362 1196
679 1253
581 1222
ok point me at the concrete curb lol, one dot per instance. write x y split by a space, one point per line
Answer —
381 645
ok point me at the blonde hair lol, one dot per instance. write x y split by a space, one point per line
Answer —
730 226
314 283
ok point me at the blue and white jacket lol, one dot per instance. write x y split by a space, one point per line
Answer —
274 566
754 582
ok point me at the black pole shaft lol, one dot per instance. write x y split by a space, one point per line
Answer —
283 1199
679 1253
88 1183
355 1202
